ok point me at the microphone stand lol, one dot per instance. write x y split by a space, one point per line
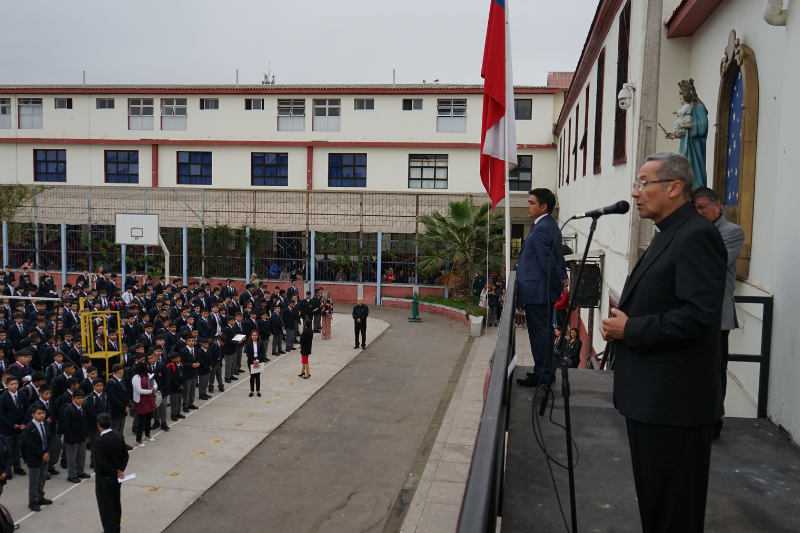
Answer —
563 363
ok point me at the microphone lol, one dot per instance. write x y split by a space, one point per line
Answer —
619 208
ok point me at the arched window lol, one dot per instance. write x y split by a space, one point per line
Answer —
736 141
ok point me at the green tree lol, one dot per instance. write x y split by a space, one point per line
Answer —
15 195
459 239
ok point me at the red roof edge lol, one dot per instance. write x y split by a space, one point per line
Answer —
689 16
562 80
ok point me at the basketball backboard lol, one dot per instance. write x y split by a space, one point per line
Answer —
137 229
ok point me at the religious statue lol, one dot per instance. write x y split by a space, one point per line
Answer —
691 128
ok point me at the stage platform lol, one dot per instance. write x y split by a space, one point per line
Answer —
755 471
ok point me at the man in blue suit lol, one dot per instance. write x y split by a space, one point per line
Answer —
541 277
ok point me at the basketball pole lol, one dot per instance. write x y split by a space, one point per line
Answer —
166 256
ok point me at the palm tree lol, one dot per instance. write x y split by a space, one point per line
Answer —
456 243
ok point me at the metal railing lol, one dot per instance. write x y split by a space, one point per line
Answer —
766 349
483 496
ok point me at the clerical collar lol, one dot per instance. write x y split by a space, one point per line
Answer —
670 219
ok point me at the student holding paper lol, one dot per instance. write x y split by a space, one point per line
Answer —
111 459
256 355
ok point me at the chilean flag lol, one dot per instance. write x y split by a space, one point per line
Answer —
498 99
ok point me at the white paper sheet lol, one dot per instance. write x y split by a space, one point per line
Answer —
256 369
126 478
237 338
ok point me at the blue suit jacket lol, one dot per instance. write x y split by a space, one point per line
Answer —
534 262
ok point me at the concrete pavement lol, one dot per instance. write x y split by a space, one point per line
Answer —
182 464
340 461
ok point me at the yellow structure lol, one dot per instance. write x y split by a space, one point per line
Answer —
88 319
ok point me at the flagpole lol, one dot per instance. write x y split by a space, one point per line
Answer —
505 151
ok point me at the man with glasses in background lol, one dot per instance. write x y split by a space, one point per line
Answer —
707 204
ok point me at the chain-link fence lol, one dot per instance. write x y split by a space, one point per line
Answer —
216 223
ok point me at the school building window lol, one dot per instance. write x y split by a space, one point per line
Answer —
451 116
209 103
105 103
254 104
523 109
412 104
427 171
140 113
517 236
347 170
50 165
364 104
30 113
327 115
519 179
194 168
5 113
270 170
63 103
291 115
173 114
598 110
122 166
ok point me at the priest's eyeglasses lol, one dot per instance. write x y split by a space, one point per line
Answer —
639 185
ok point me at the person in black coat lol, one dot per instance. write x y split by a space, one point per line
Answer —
360 314
289 317
276 323
13 412
72 423
111 460
306 339
215 349
206 365
118 398
37 457
189 358
667 338
572 349
95 404
256 355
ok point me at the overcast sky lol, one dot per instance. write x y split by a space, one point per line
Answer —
307 41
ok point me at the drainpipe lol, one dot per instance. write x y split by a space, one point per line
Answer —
774 13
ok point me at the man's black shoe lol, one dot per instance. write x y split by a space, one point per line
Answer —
35 507
84 476
234 378
73 480
127 447
155 425
204 397
355 347
281 353
227 380
185 409
193 407
53 471
174 418
180 415
20 471
164 426
221 388
530 374
363 346
266 359
528 382
45 501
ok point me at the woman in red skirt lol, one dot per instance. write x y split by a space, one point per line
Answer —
305 349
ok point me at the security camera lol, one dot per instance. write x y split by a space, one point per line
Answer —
625 96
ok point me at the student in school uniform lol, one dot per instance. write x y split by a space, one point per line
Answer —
176 379
37 442
256 356
156 367
189 358
72 423
5 462
95 404
277 330
13 412
118 399
215 352
204 370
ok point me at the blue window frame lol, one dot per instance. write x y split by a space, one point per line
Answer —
267 169
122 166
194 168
50 165
347 170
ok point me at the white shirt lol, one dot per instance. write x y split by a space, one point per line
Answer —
540 217
105 431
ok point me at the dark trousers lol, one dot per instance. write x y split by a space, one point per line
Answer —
361 328
724 355
670 468
144 426
317 319
542 337
255 382
13 443
36 478
107 492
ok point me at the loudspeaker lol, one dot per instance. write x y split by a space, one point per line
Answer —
587 295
